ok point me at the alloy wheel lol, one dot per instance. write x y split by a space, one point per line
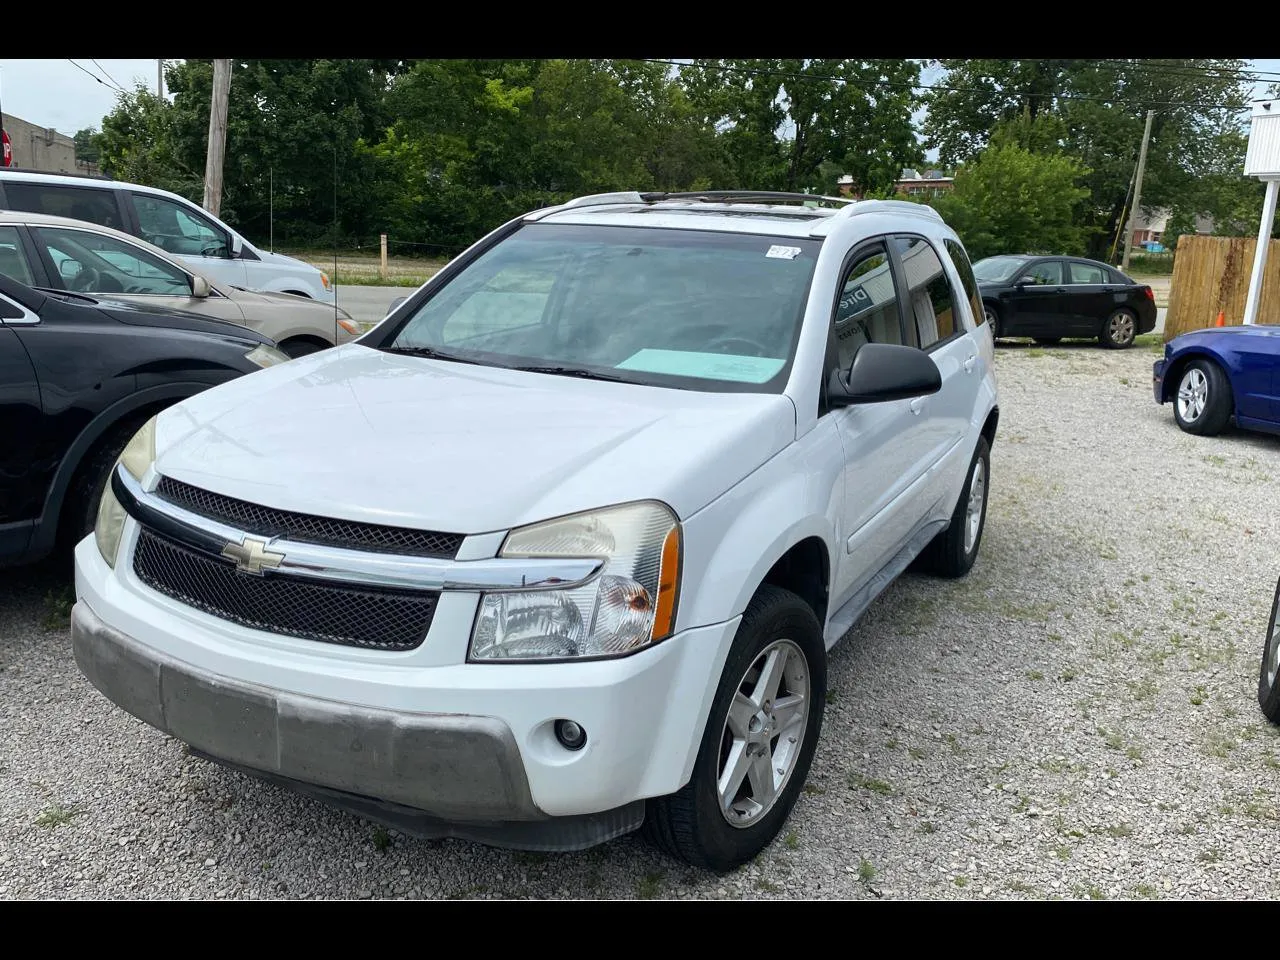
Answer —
763 733
973 512
1193 394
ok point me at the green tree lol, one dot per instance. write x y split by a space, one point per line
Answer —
87 149
789 124
1098 108
1010 200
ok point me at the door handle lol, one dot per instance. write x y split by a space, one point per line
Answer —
917 405
969 362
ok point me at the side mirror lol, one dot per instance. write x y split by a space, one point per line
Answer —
884 371
70 269
200 288
237 247
394 305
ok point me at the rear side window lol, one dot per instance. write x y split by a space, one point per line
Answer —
55 199
1087 273
13 262
179 229
932 299
963 267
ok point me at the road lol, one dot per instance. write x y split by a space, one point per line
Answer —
369 304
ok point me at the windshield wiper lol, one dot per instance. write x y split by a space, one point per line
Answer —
574 372
431 353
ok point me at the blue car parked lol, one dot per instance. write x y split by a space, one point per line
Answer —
1213 376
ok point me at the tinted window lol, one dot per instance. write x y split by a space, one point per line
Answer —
961 261
178 229
1088 273
995 269
682 308
78 203
13 262
932 299
1043 273
867 311
91 263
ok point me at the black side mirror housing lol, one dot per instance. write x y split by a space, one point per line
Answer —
884 371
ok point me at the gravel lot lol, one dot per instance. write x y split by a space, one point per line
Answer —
1075 719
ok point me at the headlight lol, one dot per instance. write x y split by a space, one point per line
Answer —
137 458
265 356
349 325
324 280
630 605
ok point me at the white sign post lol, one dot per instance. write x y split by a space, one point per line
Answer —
1263 161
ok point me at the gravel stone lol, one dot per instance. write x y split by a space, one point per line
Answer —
1075 719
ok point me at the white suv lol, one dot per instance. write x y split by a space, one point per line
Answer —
559 547
170 222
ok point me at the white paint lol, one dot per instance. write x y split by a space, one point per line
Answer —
1260 254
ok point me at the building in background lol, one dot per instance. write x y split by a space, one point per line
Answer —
1150 224
42 148
932 184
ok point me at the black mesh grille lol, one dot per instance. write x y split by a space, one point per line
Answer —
382 619
269 522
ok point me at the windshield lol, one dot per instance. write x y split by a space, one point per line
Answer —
994 269
682 308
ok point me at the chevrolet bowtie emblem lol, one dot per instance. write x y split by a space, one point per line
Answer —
252 556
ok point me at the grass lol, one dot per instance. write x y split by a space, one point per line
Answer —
875 785
791 840
866 871
57 608
373 280
56 816
650 885
381 838
961 882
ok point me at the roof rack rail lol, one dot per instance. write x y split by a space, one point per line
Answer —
58 173
743 196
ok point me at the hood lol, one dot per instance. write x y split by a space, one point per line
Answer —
1240 330
287 262
146 315
364 435
289 301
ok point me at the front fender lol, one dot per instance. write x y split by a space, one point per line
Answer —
733 542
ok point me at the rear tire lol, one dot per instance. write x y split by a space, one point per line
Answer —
779 637
1119 330
1269 676
1203 402
953 551
992 316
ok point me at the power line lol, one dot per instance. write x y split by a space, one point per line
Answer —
1056 95
104 72
1211 73
89 73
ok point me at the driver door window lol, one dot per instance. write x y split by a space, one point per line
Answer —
867 311
1046 274
92 263
179 229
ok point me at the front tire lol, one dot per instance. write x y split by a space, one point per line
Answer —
1203 402
1119 330
1269 676
758 743
952 552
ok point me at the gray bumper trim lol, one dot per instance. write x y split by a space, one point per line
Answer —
457 768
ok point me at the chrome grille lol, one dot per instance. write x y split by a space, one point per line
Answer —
270 522
357 616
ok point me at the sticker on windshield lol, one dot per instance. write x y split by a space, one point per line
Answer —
783 253
710 366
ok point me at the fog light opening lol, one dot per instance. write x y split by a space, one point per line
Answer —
571 735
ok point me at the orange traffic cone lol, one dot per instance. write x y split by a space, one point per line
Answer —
1222 319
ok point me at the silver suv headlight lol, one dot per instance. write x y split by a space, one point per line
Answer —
630 605
137 458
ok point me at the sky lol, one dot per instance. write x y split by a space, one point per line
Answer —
70 95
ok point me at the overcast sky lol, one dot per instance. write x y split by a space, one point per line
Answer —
69 95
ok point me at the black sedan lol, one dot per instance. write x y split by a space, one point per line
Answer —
78 377
1048 298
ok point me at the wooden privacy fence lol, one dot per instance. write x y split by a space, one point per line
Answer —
1211 275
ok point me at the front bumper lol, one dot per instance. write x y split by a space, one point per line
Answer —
1157 379
432 747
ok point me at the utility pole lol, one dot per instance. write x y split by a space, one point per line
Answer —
1137 191
160 79
217 136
